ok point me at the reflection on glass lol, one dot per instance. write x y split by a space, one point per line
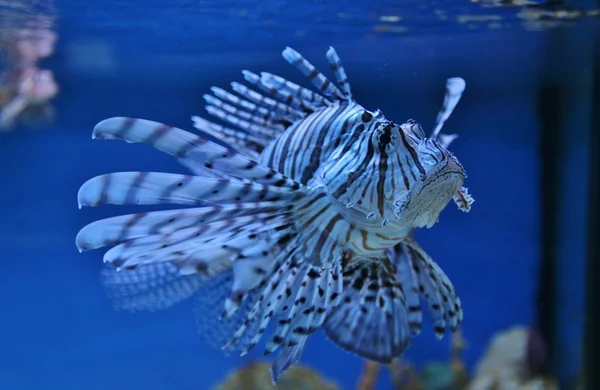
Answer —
26 89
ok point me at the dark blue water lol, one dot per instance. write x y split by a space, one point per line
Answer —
155 59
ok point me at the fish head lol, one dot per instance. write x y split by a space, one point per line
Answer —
418 176
437 175
393 176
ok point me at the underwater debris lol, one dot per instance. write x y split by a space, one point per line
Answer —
438 376
447 376
256 376
514 360
457 364
505 365
368 380
404 376
435 376
541 14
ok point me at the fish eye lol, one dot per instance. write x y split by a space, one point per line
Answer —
386 136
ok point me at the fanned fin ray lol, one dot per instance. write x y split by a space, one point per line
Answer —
288 356
340 74
215 329
304 95
371 320
278 109
432 284
149 288
259 117
185 145
197 246
116 230
261 114
245 143
321 83
407 277
169 188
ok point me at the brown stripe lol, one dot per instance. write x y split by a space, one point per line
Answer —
365 236
327 231
412 152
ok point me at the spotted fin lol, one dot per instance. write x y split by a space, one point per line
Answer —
293 293
212 327
407 277
149 288
320 289
300 296
294 324
288 356
431 283
282 268
371 320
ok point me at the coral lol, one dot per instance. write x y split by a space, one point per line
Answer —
435 376
438 376
456 363
514 360
256 376
507 363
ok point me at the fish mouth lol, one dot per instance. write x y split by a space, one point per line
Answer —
435 194
452 177
439 190
445 175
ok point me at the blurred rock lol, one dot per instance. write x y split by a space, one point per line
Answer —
505 365
256 376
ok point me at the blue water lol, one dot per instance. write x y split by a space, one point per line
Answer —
154 60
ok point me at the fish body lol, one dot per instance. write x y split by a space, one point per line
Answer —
307 226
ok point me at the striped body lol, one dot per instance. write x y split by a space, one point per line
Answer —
337 136
305 145
307 226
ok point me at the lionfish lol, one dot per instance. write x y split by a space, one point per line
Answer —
308 225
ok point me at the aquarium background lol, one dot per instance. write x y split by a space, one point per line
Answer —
155 60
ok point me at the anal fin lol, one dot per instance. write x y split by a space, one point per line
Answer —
371 320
